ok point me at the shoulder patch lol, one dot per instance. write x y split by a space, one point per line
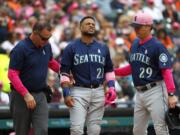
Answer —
163 57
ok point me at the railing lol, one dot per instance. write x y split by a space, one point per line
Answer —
59 116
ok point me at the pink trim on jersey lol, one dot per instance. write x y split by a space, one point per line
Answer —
110 76
54 65
168 78
13 76
125 71
145 40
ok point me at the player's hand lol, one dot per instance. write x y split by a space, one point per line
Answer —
30 102
110 96
69 101
172 100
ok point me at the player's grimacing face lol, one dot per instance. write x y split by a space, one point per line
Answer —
88 27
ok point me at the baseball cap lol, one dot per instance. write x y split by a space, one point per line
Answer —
73 6
94 6
150 1
135 2
176 25
119 41
142 18
168 1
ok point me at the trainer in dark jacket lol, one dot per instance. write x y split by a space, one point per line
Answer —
28 67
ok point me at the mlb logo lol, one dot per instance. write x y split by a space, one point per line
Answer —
146 51
99 51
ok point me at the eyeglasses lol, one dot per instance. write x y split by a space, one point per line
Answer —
43 38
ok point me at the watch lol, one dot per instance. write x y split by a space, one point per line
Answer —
171 94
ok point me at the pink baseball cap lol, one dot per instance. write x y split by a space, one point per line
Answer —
176 25
135 2
94 6
73 6
168 1
150 1
142 18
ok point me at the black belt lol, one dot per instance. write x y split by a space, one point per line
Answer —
146 87
88 85
32 91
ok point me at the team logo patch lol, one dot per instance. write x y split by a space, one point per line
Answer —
44 52
163 58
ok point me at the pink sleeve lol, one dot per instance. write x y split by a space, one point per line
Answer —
13 76
123 71
54 65
168 78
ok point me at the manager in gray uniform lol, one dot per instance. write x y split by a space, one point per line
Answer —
91 65
150 66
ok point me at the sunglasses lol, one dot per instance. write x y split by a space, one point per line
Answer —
43 38
138 27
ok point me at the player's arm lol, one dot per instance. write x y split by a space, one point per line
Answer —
124 71
54 65
15 64
169 82
165 64
65 79
13 76
110 95
65 82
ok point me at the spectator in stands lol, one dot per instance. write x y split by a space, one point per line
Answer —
153 10
125 82
170 13
165 38
9 44
4 81
177 5
127 31
3 25
176 72
175 34
53 82
135 7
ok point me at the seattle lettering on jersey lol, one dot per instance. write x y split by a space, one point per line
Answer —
80 59
140 57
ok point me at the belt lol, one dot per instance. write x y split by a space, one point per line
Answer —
88 85
32 91
146 87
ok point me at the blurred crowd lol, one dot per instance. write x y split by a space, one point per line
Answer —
113 17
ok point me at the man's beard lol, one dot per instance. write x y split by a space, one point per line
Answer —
89 34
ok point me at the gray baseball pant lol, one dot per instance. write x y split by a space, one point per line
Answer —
24 117
151 103
88 108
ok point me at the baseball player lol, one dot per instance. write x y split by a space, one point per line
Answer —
150 66
90 64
